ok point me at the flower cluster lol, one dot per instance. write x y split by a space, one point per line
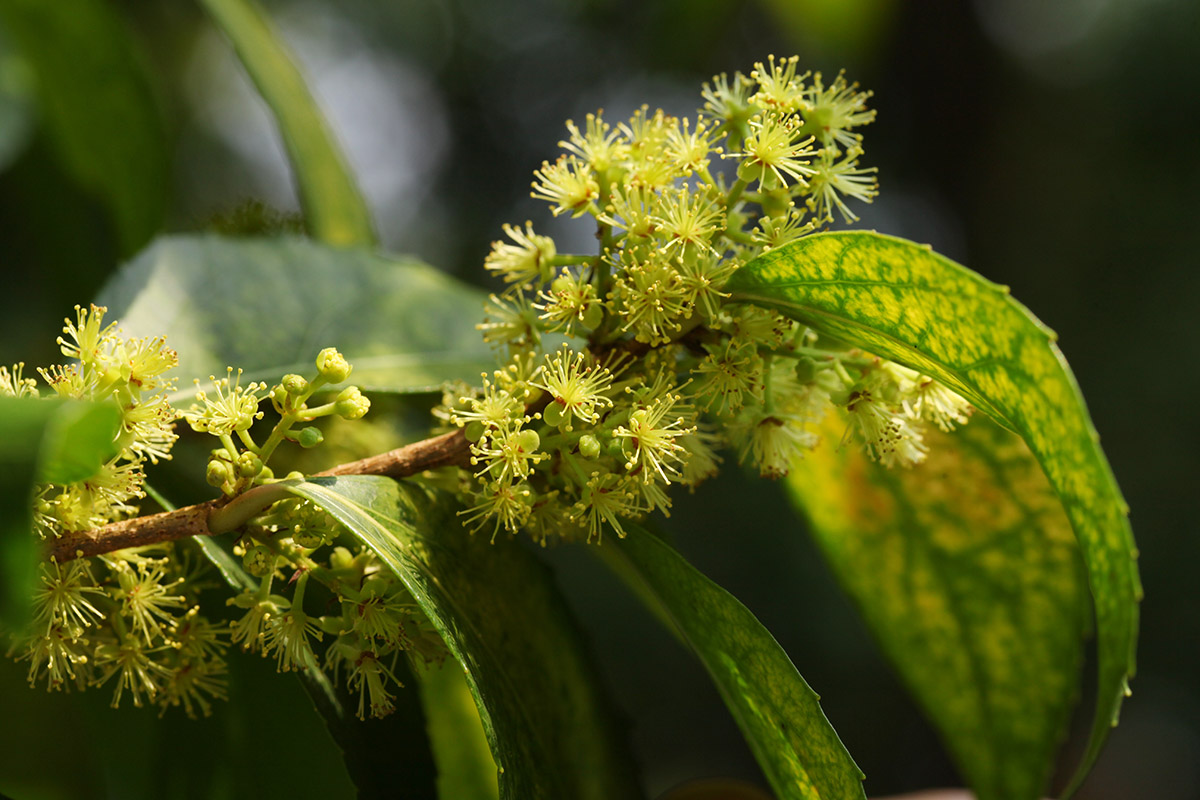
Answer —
660 371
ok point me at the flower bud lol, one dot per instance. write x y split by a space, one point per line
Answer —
806 370
310 437
308 538
332 365
249 465
217 473
474 430
589 446
258 560
351 404
296 384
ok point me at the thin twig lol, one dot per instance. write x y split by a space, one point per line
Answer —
450 449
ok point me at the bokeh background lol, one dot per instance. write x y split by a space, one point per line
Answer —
1051 146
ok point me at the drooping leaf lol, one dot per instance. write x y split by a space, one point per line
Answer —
41 441
551 732
966 570
97 103
333 206
778 713
269 305
902 301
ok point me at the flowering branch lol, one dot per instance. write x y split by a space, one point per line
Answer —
212 517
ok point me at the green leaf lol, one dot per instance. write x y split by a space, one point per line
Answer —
41 441
98 105
333 206
902 301
551 732
966 569
776 710
269 305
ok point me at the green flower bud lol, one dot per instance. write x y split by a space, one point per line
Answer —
806 370
258 561
249 465
341 558
295 384
351 404
310 437
308 538
589 446
217 474
333 366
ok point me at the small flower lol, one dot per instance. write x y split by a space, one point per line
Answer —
510 321
509 453
727 101
194 684
333 366
508 504
690 149
14 384
149 427
688 221
571 301
731 372
61 655
776 441
651 298
831 181
129 659
576 389
832 111
604 499
62 599
652 432
527 262
235 407
775 232
370 677
250 629
702 460
287 634
495 408
631 209
779 88
935 403
702 278
776 145
145 601
567 184
146 360
600 146
90 342
887 435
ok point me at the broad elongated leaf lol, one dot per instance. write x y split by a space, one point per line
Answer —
966 569
551 732
41 441
97 103
776 710
902 301
333 206
269 305
460 746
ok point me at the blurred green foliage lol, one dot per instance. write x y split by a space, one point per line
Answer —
1064 166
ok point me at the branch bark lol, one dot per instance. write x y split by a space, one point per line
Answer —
450 449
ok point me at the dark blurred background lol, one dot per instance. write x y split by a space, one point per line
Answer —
1051 146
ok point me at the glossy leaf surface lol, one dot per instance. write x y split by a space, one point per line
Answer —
966 570
902 301
269 305
500 614
778 713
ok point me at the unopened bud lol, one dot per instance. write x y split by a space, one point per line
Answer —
332 365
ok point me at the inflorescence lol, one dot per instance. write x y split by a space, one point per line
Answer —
624 373
660 371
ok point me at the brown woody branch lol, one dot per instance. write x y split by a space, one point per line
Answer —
450 449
